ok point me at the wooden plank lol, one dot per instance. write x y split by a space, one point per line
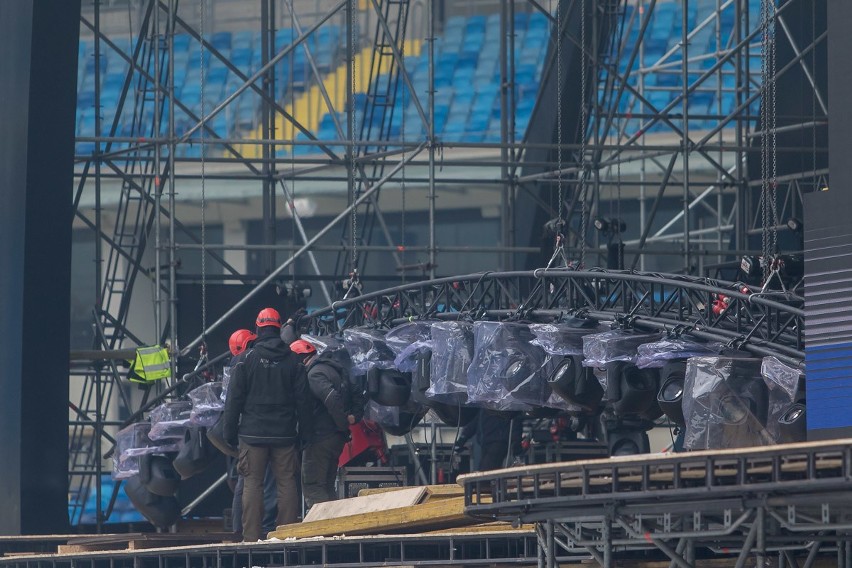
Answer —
434 491
139 541
495 527
641 459
442 513
368 504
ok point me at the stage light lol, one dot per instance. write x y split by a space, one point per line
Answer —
611 226
160 511
632 391
792 424
388 387
158 475
576 384
195 455
627 442
670 396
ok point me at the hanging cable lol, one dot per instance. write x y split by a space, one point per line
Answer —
583 127
402 171
768 140
561 190
352 152
773 124
203 5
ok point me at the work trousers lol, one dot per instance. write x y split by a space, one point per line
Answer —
252 466
270 503
319 468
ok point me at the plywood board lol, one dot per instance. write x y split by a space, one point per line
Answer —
367 504
434 491
443 513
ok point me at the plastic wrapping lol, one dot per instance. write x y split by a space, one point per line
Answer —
404 335
367 349
131 443
655 355
169 420
207 404
226 382
562 338
506 370
452 352
384 416
408 359
783 384
324 343
615 345
725 402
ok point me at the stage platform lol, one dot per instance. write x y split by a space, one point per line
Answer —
793 501
462 548
778 505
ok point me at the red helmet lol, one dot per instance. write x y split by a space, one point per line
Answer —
268 316
239 341
302 347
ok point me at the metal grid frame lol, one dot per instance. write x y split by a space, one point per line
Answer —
146 167
784 501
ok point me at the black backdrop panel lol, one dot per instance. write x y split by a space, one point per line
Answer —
220 298
38 81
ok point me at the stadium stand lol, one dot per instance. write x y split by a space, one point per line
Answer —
467 76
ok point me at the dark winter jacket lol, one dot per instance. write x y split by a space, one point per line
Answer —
268 397
336 397
328 384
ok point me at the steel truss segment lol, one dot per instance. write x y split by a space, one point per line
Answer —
765 324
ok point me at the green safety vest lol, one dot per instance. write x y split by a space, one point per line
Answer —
151 364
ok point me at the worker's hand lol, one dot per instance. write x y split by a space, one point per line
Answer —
351 419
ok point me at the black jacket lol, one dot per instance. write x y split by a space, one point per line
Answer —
268 399
333 401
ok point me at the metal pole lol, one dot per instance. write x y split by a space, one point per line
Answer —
267 183
158 293
350 128
504 124
98 268
172 205
418 469
431 139
433 453
204 494
685 135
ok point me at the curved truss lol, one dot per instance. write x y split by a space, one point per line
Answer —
761 323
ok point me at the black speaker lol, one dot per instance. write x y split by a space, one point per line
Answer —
196 453
160 511
670 396
158 476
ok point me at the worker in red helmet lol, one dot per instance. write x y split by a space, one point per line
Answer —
268 404
333 412
239 342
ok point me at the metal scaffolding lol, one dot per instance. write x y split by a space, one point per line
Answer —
632 147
